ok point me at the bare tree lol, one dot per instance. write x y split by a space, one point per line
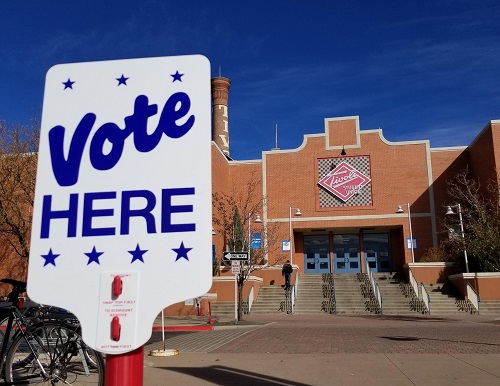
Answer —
481 220
18 160
234 216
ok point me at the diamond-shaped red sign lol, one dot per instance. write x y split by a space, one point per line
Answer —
344 181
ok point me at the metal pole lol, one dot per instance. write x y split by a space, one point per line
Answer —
163 327
291 242
249 236
235 298
125 369
411 234
463 237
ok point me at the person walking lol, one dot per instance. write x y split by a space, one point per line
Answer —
287 271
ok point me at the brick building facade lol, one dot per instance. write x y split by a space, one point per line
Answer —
349 184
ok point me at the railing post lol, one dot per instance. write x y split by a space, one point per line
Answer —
376 291
294 291
426 298
413 283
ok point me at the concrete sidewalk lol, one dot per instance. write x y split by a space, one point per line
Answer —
182 323
324 369
330 350
197 323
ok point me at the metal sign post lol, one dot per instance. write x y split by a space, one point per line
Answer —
236 259
236 269
125 369
235 298
108 225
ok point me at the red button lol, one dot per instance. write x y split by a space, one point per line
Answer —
116 329
117 286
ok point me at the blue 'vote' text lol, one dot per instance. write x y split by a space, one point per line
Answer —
66 170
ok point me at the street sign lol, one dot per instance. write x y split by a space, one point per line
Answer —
235 267
239 256
122 223
410 243
256 240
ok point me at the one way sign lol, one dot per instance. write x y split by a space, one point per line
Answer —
240 256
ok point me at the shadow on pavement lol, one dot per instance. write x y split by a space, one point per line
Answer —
407 318
400 338
411 338
221 375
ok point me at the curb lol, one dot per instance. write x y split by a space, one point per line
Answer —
183 328
207 328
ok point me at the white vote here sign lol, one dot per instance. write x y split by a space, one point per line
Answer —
122 214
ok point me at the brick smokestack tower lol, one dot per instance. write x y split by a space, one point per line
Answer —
220 133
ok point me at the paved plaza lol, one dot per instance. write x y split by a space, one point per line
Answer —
331 350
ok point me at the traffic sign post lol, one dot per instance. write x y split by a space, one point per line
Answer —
108 225
236 258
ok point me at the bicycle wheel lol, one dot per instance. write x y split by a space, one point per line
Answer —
3 328
53 354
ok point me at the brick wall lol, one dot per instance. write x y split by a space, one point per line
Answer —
403 172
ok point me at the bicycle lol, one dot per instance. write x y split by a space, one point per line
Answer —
26 311
46 347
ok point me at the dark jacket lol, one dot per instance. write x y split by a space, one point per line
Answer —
287 269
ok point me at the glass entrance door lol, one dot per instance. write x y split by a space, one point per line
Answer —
346 256
316 254
378 251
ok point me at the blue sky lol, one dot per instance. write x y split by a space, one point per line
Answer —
416 69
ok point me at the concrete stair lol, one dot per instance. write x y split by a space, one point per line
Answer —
313 295
394 301
489 307
271 300
349 298
444 300
223 311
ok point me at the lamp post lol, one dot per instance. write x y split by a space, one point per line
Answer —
449 211
297 213
400 210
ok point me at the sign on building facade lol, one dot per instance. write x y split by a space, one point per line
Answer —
344 182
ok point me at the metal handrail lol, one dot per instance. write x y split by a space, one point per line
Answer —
473 296
293 294
379 296
334 296
426 298
375 289
413 283
250 299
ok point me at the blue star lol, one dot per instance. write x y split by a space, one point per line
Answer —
94 256
50 258
177 76
68 84
182 251
137 254
122 80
